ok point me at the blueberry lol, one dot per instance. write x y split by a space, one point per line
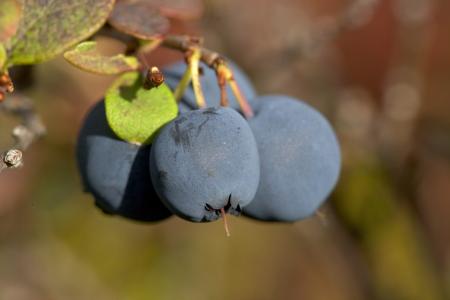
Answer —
116 172
204 161
174 72
300 159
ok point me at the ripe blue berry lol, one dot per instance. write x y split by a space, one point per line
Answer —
204 161
116 172
300 159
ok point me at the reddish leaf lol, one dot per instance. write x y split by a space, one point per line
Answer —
180 9
139 19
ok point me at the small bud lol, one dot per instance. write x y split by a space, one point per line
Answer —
5 82
10 87
13 158
4 79
154 78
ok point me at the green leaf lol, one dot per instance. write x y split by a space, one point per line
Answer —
2 57
86 57
48 27
10 11
136 114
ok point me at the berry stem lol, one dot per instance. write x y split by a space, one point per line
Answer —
215 61
182 85
243 103
194 60
222 81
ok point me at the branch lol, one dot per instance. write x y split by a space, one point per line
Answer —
30 129
186 43
189 44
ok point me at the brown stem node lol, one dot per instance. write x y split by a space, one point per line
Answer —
222 81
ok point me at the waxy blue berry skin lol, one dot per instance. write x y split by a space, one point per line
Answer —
300 159
115 172
203 161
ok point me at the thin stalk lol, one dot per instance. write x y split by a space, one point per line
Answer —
194 60
182 85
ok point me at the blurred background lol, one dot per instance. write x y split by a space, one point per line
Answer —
378 69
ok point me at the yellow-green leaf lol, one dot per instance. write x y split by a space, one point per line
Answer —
136 114
48 27
10 11
86 57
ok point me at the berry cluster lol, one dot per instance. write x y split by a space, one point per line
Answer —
279 165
